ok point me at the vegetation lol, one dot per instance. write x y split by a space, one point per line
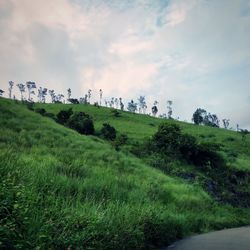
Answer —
60 189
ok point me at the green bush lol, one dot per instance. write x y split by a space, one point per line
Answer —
40 111
82 123
63 116
108 132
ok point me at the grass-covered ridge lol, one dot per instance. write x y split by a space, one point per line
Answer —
60 189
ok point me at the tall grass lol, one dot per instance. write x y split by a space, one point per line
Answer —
60 189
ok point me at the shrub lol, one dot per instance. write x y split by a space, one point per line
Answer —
120 140
108 132
168 138
115 112
63 116
82 123
40 111
50 115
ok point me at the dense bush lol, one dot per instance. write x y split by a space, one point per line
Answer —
120 140
82 123
63 116
169 140
40 111
115 112
108 132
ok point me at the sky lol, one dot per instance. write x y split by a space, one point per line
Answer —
193 52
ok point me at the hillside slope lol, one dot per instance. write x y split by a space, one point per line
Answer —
60 189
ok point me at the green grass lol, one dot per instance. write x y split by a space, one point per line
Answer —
60 189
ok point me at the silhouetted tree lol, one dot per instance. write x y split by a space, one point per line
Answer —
11 84
225 123
21 87
142 104
58 98
121 104
73 100
30 86
69 93
116 101
199 115
132 106
89 94
100 93
169 107
154 108
211 120
42 92
1 92
52 95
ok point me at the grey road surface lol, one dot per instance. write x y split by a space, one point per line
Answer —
229 239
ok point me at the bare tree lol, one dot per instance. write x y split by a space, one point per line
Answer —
121 104
69 93
42 92
100 93
89 94
21 87
225 123
30 86
52 95
142 104
11 84
169 107
132 106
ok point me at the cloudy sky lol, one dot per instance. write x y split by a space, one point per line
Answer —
193 52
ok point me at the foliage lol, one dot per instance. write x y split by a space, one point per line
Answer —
73 100
61 190
244 133
82 123
115 112
63 116
201 116
132 106
40 111
108 132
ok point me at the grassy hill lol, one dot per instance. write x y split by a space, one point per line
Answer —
61 190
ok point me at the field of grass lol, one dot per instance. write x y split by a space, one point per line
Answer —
61 190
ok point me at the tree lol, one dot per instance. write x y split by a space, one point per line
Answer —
42 92
1 92
11 84
225 123
154 108
100 93
21 87
142 104
89 94
30 86
211 120
58 98
132 106
52 95
116 101
82 123
69 93
199 115
121 104
169 107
